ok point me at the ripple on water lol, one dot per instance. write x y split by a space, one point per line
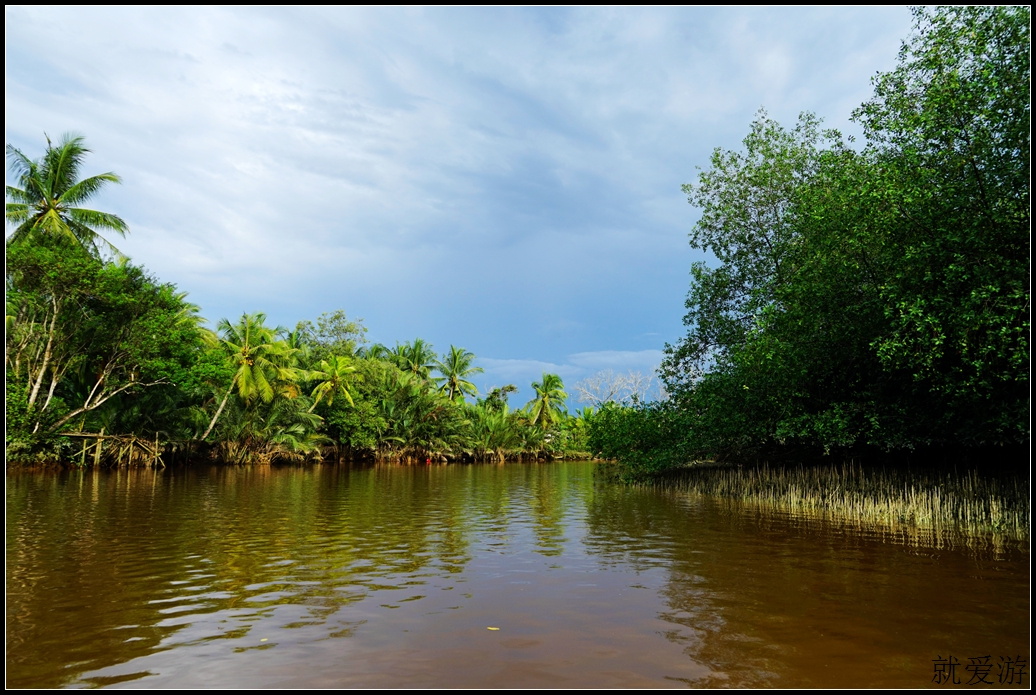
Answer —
385 576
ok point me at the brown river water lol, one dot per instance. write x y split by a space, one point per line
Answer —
392 576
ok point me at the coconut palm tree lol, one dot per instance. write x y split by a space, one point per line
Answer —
47 204
548 407
417 357
259 357
335 375
455 367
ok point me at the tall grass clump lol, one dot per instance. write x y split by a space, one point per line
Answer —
938 505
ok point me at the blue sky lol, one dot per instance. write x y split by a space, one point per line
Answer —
505 180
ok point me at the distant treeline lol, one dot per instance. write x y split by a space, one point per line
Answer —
107 365
866 297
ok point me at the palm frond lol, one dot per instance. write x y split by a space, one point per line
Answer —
16 213
89 238
21 166
21 234
18 195
50 190
103 220
63 163
87 188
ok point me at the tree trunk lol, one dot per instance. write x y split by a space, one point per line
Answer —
221 406
53 385
97 404
46 356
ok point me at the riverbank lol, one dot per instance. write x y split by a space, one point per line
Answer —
99 451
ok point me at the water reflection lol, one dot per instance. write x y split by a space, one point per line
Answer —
764 599
386 576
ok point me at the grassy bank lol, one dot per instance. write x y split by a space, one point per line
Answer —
921 506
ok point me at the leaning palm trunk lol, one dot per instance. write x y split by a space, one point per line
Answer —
221 407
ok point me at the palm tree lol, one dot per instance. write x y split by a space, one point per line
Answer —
548 407
301 351
188 315
584 414
417 357
455 367
377 351
259 358
47 204
263 432
335 375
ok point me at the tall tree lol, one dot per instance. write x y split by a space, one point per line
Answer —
335 377
48 202
496 399
417 357
875 296
548 407
333 334
258 357
951 128
455 367
83 333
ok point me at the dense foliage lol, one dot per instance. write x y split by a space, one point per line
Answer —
98 349
101 356
89 341
873 297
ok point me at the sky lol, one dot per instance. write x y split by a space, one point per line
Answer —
505 180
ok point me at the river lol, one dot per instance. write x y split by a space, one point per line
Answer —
514 575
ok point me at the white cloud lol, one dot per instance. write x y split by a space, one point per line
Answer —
503 178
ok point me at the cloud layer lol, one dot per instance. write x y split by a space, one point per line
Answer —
503 179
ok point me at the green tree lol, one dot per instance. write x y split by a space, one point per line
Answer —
48 202
867 297
496 399
360 425
950 127
548 407
495 433
261 432
455 367
88 334
747 200
335 376
333 334
417 357
420 421
258 359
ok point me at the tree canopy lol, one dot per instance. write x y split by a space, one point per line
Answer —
48 202
865 296
455 367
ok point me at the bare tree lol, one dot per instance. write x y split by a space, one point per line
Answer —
607 386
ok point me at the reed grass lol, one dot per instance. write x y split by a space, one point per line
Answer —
918 506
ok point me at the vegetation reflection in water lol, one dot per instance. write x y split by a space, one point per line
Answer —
238 543
244 576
